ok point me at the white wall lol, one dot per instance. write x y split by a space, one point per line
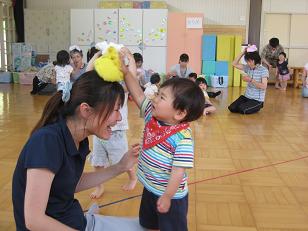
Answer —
285 6
285 19
222 12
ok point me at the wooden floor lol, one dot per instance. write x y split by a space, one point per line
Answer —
251 172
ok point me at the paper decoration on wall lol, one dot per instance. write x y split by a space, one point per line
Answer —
194 22
106 28
158 33
126 28
85 36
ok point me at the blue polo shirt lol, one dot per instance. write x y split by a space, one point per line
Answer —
52 147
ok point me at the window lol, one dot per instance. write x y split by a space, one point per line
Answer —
7 34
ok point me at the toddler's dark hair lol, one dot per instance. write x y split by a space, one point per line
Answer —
187 97
283 53
193 75
138 57
200 80
63 58
155 78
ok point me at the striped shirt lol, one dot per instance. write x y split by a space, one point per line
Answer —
252 92
155 163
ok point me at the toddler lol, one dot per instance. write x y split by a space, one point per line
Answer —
167 149
63 68
282 71
151 88
208 106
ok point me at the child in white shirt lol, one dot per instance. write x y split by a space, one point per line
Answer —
63 68
151 88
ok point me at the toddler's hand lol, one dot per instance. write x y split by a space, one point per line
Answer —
129 64
163 204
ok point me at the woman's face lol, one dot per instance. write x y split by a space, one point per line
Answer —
251 63
77 58
102 129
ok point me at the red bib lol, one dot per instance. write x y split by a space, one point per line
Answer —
155 133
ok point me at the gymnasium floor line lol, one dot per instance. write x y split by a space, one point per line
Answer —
213 178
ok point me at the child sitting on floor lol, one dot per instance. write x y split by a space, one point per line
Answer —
193 76
208 107
151 88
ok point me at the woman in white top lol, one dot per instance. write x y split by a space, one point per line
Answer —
181 69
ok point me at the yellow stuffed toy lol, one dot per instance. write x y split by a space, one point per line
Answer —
108 66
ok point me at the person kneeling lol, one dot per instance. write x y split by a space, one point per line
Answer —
256 77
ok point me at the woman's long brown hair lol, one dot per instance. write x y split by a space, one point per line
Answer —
90 89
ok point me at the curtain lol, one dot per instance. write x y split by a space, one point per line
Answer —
18 6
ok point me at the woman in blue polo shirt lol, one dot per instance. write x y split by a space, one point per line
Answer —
50 167
256 77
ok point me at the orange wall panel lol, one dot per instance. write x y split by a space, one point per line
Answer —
183 40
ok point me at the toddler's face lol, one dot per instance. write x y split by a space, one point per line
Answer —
139 64
203 86
162 106
281 58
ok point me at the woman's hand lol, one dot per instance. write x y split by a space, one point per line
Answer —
130 158
246 78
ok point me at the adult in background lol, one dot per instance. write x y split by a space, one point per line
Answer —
270 57
256 77
181 69
79 67
44 83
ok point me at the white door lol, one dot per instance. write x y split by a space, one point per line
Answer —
82 28
130 27
155 58
106 25
277 25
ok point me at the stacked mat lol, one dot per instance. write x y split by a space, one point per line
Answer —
218 52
